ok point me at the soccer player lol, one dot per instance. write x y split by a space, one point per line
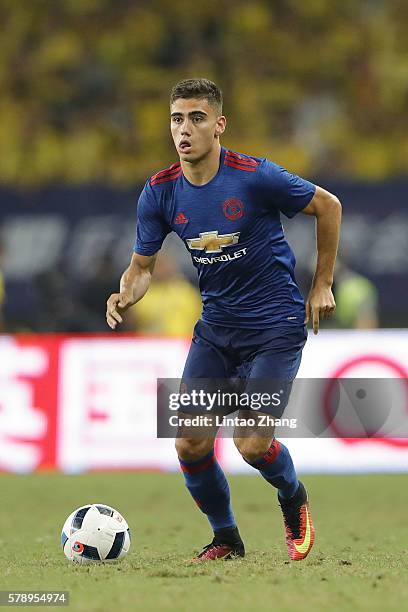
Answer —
225 207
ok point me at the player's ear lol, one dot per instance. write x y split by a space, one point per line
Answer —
220 126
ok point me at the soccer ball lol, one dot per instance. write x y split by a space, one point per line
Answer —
95 533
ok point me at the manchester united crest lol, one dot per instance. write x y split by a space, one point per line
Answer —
233 209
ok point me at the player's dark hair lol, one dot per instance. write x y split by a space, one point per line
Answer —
198 88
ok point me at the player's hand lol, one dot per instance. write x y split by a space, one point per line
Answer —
116 305
320 305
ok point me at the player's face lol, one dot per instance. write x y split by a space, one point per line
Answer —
195 127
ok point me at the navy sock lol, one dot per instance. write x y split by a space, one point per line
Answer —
276 466
209 488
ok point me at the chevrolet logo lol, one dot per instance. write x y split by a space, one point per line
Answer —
211 242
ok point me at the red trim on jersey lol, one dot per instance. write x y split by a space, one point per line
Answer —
246 168
167 177
166 173
240 160
166 170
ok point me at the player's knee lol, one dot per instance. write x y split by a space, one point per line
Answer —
192 449
252 448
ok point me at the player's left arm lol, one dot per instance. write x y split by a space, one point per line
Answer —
326 208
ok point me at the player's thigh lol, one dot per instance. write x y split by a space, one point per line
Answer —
204 361
270 363
205 371
205 375
270 380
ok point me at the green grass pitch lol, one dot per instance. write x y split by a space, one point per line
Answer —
359 561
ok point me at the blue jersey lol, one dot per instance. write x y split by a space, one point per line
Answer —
231 227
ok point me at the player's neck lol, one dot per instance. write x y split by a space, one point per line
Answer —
201 172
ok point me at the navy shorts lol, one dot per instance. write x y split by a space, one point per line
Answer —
249 356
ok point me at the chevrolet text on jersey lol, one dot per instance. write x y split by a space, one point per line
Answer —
226 257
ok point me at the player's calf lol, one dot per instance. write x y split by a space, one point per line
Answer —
209 488
276 467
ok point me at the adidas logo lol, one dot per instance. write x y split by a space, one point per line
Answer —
181 218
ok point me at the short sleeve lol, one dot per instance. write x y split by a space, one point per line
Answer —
151 227
287 192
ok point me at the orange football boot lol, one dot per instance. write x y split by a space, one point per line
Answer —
300 532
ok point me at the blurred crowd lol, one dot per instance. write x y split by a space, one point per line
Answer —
321 86
170 308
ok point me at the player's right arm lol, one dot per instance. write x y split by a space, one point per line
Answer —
151 230
134 283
